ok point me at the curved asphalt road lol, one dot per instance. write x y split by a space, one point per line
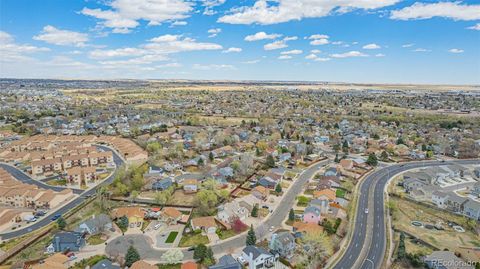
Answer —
44 221
373 186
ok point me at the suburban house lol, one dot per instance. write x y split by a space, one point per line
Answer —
141 264
471 209
135 215
439 198
105 264
171 215
231 211
325 194
162 184
258 257
260 192
476 189
443 260
190 185
95 225
206 224
455 203
282 243
312 215
72 241
226 262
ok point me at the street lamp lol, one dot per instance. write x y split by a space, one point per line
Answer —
373 265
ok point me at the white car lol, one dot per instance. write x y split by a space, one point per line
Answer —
157 226
272 228
241 260
366 210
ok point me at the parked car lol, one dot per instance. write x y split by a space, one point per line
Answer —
57 216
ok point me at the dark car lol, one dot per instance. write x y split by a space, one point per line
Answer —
57 216
191 248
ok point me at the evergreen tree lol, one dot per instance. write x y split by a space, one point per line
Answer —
372 159
401 247
278 188
255 211
251 237
384 156
291 215
257 152
209 259
345 146
210 156
270 162
200 252
337 160
400 141
132 256
61 223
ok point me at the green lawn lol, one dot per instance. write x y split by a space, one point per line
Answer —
171 237
95 240
224 234
189 240
340 193
303 200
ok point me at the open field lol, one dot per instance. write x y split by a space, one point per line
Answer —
407 211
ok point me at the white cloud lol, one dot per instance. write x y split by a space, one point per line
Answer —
316 42
319 39
475 27
251 62
316 51
318 36
157 49
214 32
455 50
275 45
408 45
232 49
125 14
322 59
290 52
349 54
421 50
213 67
289 38
261 36
10 51
379 55
451 10
59 37
169 65
179 23
114 53
272 12
371 46
311 56
210 4
284 57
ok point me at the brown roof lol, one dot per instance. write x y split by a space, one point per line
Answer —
189 265
262 190
307 227
171 212
141 264
329 193
204 222
128 211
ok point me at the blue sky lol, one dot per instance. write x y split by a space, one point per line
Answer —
377 41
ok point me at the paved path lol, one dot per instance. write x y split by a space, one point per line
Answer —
64 209
368 252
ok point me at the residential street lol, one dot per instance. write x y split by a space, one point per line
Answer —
62 210
368 245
